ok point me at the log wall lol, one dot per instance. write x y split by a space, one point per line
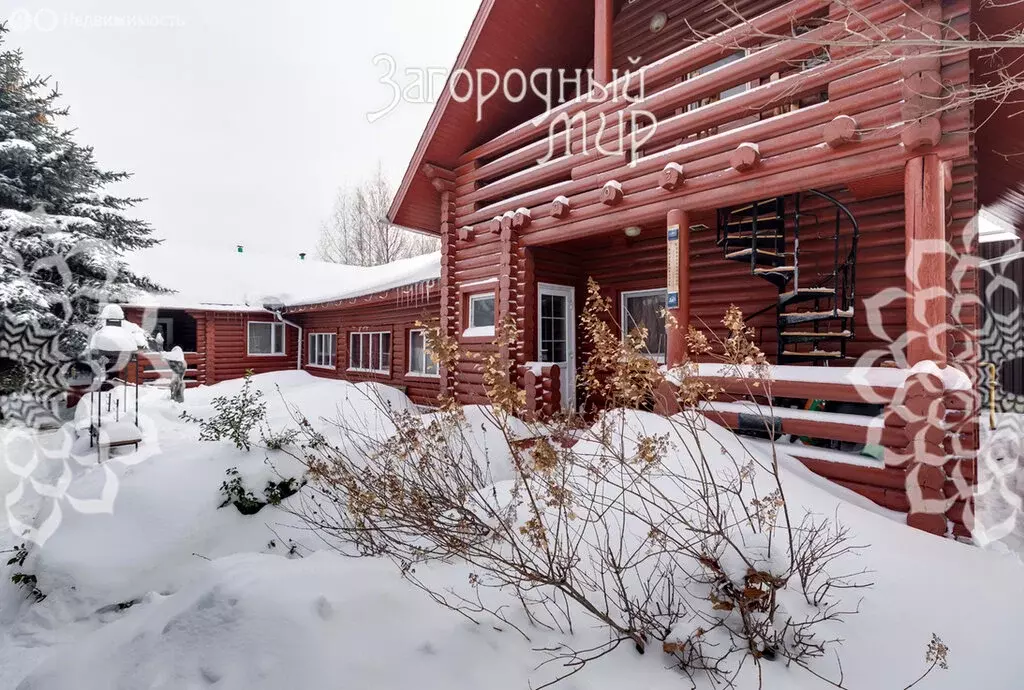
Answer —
227 347
378 313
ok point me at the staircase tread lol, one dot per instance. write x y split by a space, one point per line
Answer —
746 252
810 291
747 220
749 236
775 269
836 313
818 334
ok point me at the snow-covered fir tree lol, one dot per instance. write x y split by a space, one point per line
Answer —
62 233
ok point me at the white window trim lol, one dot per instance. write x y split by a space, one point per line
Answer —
420 374
472 330
273 339
386 372
624 317
310 353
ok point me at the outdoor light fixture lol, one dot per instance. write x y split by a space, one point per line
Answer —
632 231
658 22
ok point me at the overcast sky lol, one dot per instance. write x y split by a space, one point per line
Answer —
239 119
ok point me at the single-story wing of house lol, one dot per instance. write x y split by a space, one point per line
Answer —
235 312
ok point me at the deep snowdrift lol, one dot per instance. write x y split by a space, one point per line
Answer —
213 598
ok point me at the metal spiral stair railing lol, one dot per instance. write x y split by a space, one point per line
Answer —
815 320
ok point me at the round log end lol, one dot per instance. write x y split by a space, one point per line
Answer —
466 233
745 157
671 178
559 209
842 130
928 522
611 194
922 134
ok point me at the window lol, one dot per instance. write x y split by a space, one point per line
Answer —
322 347
644 308
481 312
370 352
266 338
481 315
420 361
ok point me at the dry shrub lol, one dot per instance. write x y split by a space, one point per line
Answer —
668 531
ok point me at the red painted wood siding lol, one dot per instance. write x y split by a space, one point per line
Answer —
373 315
228 358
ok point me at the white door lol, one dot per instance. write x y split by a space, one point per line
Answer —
556 334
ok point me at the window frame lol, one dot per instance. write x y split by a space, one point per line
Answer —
321 335
659 357
423 373
480 297
371 335
274 326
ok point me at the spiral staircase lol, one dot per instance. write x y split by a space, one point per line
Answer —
815 309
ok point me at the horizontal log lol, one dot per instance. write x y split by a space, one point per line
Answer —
828 430
684 61
773 178
592 175
804 390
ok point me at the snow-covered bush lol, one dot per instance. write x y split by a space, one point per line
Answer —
236 416
668 531
278 440
247 502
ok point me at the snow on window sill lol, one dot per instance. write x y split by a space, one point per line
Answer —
385 372
265 354
320 366
421 375
479 332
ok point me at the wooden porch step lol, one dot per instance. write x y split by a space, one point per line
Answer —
769 205
761 256
775 269
803 294
806 316
811 336
748 235
749 220
813 354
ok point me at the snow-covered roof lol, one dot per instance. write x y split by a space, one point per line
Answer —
222 280
375 279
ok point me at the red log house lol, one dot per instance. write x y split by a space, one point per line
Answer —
243 312
826 187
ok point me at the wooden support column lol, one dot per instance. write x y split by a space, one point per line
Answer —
449 293
925 206
678 303
604 16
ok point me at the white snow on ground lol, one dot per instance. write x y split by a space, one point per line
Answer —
218 601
